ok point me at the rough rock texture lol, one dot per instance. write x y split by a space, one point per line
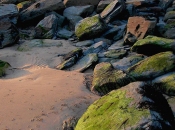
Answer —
115 54
136 106
86 62
39 9
165 3
169 15
165 83
112 10
90 27
106 78
47 27
140 27
152 45
9 34
70 59
153 66
102 5
3 66
10 12
127 62
80 2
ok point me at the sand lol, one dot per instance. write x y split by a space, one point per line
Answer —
34 95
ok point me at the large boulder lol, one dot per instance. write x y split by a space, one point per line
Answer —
90 27
169 15
3 66
10 12
39 8
112 10
106 78
165 83
140 27
80 2
153 66
136 106
152 45
47 27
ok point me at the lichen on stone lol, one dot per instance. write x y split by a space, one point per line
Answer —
3 66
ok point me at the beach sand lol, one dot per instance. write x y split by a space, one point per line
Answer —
34 95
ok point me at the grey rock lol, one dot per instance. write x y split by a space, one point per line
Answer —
47 27
64 33
108 41
115 54
39 8
69 3
120 33
127 62
10 12
95 48
112 10
102 5
165 3
85 43
117 45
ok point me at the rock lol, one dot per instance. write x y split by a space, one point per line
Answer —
10 12
47 27
165 83
153 66
160 29
117 45
108 41
10 1
170 33
86 62
95 48
85 43
130 39
116 33
3 66
140 27
39 8
102 5
23 5
152 45
73 20
169 15
70 59
106 78
164 4
171 102
115 54
127 62
70 123
90 27
69 3
9 33
112 10
134 107
64 33
82 11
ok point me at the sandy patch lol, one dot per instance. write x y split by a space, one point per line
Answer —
34 96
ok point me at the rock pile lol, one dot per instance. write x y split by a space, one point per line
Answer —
129 44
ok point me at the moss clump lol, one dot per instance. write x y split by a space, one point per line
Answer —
89 27
165 83
106 78
3 66
153 66
152 45
111 112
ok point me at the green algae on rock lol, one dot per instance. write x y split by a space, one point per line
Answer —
165 83
133 107
153 44
90 27
169 15
106 78
3 66
153 66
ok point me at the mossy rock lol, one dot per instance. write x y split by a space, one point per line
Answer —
67 63
116 54
3 66
106 78
169 15
136 106
153 66
90 27
165 83
152 45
